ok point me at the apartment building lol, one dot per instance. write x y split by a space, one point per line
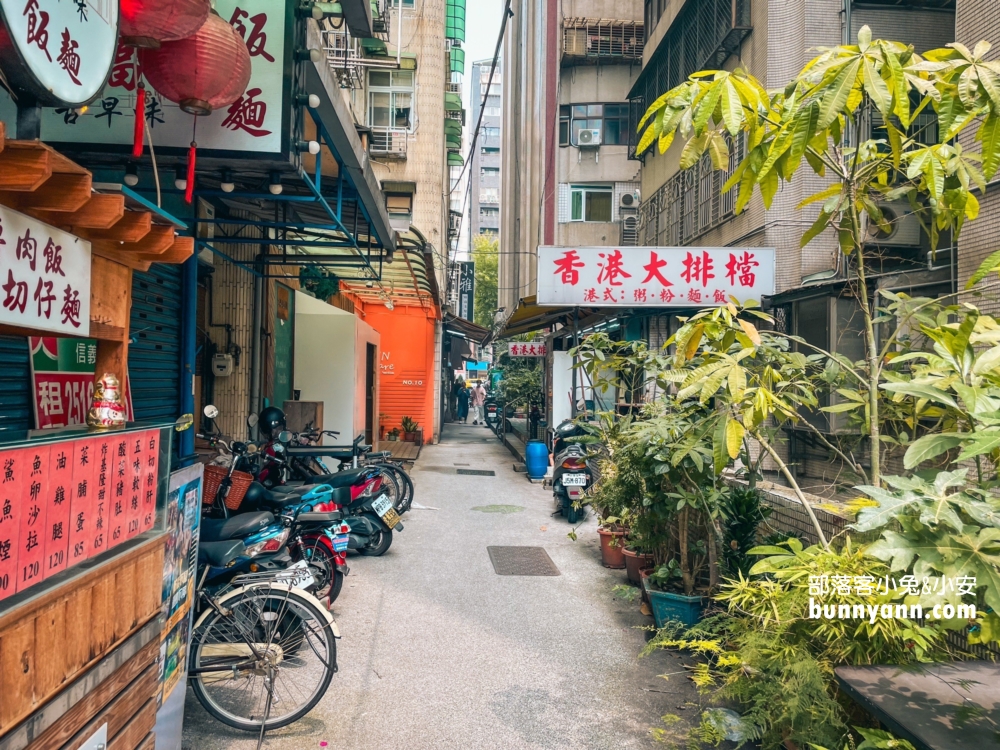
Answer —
567 178
405 83
484 171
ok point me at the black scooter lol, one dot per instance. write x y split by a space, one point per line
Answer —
571 473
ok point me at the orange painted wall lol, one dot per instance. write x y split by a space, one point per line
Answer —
406 364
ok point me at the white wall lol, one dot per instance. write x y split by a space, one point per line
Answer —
325 363
562 386
364 335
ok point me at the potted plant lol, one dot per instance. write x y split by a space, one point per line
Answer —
670 605
394 434
409 429
382 419
612 535
635 561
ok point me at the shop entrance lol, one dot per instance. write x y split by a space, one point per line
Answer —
371 359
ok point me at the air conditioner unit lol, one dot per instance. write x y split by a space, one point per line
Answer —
589 138
903 229
628 200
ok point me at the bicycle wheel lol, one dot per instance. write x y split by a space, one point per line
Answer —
390 485
265 657
405 484
322 565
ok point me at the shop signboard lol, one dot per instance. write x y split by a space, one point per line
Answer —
58 51
62 377
253 123
44 276
466 289
530 349
63 502
653 276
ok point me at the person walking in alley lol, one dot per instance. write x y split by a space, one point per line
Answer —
478 399
462 394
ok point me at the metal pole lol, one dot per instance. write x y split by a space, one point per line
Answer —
576 343
399 32
189 286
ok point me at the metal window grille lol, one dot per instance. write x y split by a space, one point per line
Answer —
702 36
602 38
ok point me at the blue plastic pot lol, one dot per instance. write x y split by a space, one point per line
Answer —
536 459
668 606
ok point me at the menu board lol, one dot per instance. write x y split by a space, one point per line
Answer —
61 503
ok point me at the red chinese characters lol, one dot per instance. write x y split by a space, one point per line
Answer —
742 268
653 270
149 479
567 267
612 269
69 57
247 114
38 27
698 268
255 37
59 502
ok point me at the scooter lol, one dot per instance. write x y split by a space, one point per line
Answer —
571 475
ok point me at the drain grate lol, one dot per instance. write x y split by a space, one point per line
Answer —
522 561
476 472
498 508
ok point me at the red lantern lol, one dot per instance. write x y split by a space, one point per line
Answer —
202 72
147 23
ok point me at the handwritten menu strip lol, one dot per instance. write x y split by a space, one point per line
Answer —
59 500
61 503
34 489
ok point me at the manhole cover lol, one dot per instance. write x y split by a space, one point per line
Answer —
499 508
522 561
476 472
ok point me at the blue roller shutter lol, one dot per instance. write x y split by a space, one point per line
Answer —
154 352
15 384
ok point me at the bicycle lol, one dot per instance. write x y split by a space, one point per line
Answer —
263 652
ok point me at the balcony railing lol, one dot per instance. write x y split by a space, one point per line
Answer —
602 39
388 142
690 203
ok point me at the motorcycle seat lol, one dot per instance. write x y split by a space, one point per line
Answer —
261 498
219 554
341 478
234 527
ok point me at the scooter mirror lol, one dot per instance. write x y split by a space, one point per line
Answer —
183 422
251 448
252 420
285 436
211 411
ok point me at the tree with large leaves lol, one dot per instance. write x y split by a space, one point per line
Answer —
818 120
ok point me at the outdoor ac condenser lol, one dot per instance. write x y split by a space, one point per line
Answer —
904 228
589 138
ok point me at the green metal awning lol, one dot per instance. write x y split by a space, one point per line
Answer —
373 46
453 141
455 159
457 60
455 20
452 102
452 126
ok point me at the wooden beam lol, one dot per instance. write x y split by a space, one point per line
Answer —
178 252
123 708
101 211
109 251
60 193
157 241
24 167
3 135
132 227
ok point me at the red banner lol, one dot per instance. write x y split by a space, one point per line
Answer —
59 502
34 508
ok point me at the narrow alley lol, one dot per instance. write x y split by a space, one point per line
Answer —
438 651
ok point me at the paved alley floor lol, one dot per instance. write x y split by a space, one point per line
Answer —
438 651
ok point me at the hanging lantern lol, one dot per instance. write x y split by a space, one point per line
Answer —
147 23
202 72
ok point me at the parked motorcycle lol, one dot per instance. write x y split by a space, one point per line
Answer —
571 474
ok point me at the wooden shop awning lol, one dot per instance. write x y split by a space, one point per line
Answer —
42 183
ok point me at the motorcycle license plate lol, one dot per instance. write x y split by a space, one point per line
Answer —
574 480
297 575
340 543
391 518
382 505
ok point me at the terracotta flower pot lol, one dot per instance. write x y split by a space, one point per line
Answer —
634 562
612 555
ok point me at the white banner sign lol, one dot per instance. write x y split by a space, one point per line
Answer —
653 276
44 276
251 123
526 350
66 45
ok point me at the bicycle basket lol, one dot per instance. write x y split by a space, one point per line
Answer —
213 479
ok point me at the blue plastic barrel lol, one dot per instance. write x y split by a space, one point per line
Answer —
536 459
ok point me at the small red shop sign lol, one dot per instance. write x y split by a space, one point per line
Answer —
61 503
44 276
526 350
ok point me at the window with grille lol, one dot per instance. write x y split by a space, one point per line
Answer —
610 120
390 98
